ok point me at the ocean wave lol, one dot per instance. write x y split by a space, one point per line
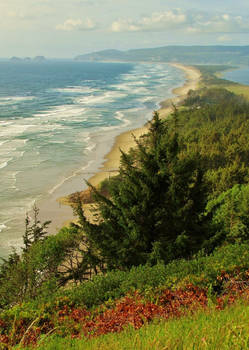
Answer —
75 173
109 96
76 90
121 116
61 112
5 163
14 179
2 227
5 123
3 142
59 142
91 147
14 130
15 99
88 140
146 99
66 117
132 88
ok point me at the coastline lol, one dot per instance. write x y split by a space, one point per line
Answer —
58 206
125 140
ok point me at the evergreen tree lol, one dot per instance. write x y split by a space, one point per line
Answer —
34 230
153 212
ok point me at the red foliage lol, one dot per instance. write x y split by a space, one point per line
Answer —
132 310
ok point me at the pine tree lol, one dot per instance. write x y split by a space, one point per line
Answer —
153 212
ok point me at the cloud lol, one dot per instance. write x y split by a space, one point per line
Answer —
77 24
124 25
158 21
222 23
186 21
224 38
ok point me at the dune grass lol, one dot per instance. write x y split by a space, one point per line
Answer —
239 89
212 77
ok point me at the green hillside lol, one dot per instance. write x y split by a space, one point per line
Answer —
164 260
184 54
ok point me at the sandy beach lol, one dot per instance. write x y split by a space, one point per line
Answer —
125 141
59 207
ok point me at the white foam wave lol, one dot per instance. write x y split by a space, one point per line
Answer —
14 178
2 227
77 172
120 116
131 88
59 142
13 148
91 145
108 96
76 90
15 99
146 99
5 123
5 163
63 112
14 130
3 142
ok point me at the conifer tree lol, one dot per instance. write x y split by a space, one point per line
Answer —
153 212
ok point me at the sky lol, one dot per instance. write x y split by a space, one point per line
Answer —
67 28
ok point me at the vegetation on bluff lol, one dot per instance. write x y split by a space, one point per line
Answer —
176 217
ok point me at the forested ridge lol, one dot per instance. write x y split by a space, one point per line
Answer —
169 233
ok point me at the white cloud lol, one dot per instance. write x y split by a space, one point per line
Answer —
124 25
224 23
184 20
158 21
77 24
224 38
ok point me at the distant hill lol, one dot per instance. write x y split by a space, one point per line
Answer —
28 59
184 54
39 59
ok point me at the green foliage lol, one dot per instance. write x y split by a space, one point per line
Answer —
34 231
45 264
100 293
152 213
202 270
229 212
219 132
153 209
210 329
214 96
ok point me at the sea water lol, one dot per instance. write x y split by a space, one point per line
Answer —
238 75
57 121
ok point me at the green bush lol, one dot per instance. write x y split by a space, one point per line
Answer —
230 218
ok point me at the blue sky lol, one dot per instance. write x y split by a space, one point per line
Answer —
65 28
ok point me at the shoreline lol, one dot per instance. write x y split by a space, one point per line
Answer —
58 207
125 140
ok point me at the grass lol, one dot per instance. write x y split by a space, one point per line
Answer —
212 78
210 329
239 90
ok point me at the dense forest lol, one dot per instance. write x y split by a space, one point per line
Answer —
174 220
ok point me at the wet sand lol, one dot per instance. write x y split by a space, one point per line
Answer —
58 206
125 141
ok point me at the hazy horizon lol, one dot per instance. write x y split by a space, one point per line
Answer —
62 29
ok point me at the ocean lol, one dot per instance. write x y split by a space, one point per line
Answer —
57 121
238 75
